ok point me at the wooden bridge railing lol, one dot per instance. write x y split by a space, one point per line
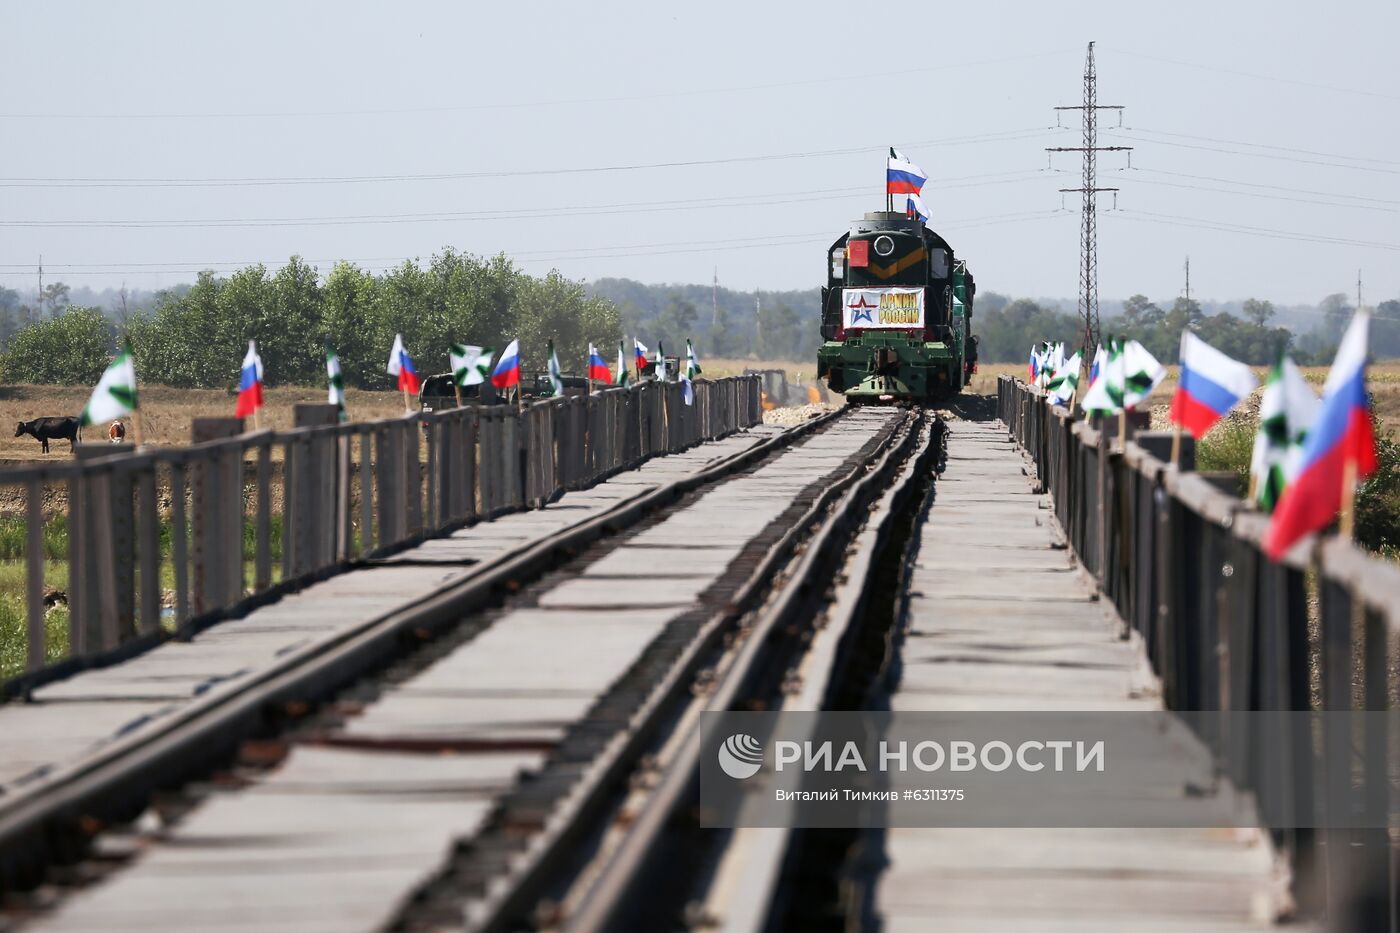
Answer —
161 542
1227 629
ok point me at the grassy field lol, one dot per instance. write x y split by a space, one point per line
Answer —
13 581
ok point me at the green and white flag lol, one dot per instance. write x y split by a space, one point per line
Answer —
1064 380
692 369
1052 356
1286 412
1105 394
1142 373
622 375
692 362
115 394
336 395
556 376
660 373
470 365
1128 376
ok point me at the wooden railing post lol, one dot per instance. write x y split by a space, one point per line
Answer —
217 512
108 578
324 500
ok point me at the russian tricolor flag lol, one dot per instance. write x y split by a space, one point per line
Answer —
507 371
1210 385
401 366
1099 359
250 396
903 176
1340 436
640 353
598 367
914 208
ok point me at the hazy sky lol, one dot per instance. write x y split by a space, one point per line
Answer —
132 131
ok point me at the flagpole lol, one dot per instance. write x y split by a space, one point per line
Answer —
136 427
457 390
1123 428
1176 446
406 406
1079 374
1347 525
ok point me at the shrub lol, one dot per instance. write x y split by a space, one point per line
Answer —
72 348
1378 499
1229 445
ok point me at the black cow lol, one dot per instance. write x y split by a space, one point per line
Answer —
51 429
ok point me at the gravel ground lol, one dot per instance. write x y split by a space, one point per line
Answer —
796 414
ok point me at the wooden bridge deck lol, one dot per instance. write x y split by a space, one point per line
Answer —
70 722
1001 619
340 834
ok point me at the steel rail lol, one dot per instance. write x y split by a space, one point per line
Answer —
530 876
53 819
622 879
757 901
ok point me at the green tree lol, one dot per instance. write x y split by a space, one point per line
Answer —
677 322
286 321
55 296
719 337
1006 334
1319 344
197 335
1258 312
778 331
71 348
350 321
1385 330
1140 314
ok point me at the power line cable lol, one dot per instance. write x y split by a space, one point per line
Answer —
1227 227
626 251
1255 155
78 182
1248 74
513 105
1253 184
1238 142
626 207
1267 197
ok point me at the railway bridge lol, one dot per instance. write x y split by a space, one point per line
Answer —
453 670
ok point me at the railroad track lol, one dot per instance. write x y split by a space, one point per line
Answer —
518 751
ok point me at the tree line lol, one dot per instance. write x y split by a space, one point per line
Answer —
765 325
196 337
1006 328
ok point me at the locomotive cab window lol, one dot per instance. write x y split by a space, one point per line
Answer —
938 263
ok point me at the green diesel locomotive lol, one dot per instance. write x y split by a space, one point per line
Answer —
896 314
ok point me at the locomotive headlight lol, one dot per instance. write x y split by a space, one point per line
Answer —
838 263
883 246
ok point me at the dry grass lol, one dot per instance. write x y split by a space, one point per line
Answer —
803 371
166 413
